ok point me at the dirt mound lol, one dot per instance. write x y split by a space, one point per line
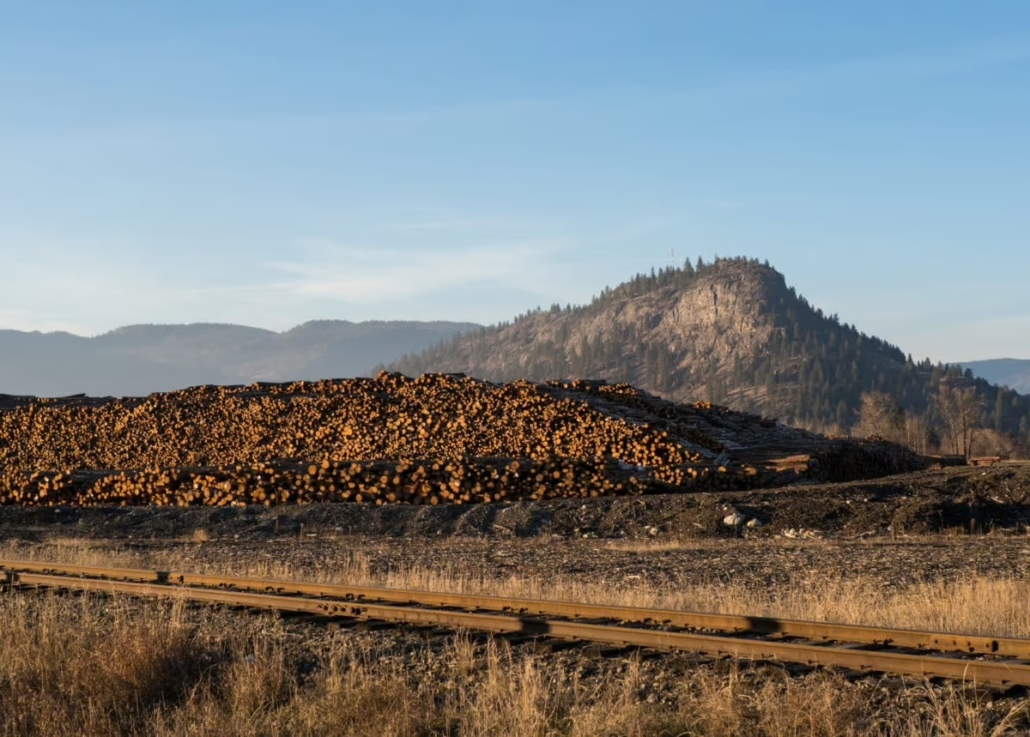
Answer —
437 438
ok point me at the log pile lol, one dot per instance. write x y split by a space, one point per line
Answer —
376 482
984 461
437 439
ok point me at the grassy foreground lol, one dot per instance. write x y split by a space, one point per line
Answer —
97 666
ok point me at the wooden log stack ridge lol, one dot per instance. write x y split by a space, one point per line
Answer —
435 439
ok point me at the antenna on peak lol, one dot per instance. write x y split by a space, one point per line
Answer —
672 258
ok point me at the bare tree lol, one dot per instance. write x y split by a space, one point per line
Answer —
990 442
960 409
917 433
879 415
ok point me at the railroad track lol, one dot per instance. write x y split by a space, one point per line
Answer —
991 661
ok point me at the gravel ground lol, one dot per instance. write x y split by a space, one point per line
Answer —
762 562
895 530
946 500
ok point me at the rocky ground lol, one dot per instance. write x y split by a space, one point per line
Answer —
942 524
948 500
764 563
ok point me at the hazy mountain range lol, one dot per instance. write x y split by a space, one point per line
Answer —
141 359
1011 372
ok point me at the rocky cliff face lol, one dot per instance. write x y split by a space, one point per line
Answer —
670 333
722 314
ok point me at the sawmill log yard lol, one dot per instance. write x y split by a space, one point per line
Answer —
426 552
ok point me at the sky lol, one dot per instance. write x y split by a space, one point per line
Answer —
269 163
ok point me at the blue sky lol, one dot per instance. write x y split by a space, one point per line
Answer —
269 163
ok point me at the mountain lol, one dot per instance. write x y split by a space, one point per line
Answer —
141 359
1011 372
731 332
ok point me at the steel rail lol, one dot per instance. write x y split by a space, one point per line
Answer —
986 672
819 631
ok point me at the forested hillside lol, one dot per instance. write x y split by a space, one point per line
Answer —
731 332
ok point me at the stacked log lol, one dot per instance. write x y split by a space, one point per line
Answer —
431 482
425 481
984 461
437 439
358 419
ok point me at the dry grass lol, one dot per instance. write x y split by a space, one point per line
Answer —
989 606
92 666
663 546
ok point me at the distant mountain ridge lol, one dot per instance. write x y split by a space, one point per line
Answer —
731 332
141 359
1011 372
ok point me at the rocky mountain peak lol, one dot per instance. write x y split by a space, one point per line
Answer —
731 331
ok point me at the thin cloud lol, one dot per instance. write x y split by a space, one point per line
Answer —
441 225
723 205
363 275
313 278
